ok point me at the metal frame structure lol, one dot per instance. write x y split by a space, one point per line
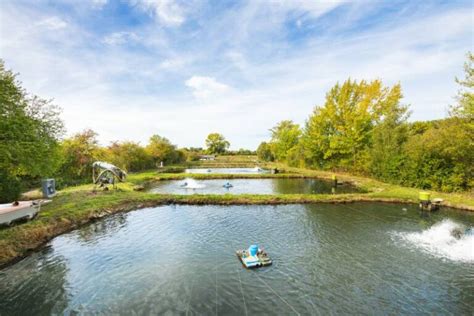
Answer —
104 173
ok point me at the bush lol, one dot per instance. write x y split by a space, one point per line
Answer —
10 188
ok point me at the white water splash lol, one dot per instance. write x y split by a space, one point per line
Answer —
189 183
438 240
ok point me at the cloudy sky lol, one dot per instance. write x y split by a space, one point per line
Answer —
182 69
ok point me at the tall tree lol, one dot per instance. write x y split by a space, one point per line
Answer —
264 152
388 136
216 143
30 128
130 156
78 153
161 149
285 136
465 106
338 134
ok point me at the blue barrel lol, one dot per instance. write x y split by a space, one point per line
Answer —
253 250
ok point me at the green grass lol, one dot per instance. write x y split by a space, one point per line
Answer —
76 206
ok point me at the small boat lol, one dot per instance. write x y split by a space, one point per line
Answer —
228 185
253 257
11 212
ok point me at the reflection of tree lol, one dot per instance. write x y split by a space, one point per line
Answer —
302 186
35 286
108 226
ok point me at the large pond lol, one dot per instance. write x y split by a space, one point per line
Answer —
255 170
251 186
339 259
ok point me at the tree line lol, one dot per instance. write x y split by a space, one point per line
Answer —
32 145
363 128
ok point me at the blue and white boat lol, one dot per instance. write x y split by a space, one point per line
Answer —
253 257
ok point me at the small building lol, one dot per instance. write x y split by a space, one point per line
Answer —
207 157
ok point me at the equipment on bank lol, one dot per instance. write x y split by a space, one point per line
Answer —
104 174
426 204
48 187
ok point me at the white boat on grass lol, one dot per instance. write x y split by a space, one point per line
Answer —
11 212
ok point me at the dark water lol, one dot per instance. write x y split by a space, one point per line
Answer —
252 186
340 259
255 170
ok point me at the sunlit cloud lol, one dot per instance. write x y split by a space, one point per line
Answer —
184 69
206 87
168 12
119 38
53 23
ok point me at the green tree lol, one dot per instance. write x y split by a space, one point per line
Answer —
465 106
434 161
161 149
264 152
285 136
388 136
338 134
216 143
30 128
129 156
78 153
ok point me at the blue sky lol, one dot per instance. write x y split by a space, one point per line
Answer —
182 69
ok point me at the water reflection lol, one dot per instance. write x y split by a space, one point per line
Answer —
340 259
35 286
252 186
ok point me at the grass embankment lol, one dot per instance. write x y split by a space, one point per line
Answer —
382 190
227 162
77 206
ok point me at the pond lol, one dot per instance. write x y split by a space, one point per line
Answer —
251 186
360 258
255 170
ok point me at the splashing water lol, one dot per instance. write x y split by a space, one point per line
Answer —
439 240
189 183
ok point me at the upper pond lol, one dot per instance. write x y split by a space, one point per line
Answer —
340 259
251 186
255 170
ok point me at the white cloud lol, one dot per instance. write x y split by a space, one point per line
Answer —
206 87
315 8
175 63
168 12
144 91
119 38
53 23
98 4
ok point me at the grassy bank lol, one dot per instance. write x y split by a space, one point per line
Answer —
77 206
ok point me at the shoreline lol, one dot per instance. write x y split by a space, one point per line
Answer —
20 244
77 206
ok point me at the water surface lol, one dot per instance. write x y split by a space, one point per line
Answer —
340 259
255 170
251 186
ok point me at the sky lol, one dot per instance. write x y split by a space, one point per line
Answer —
129 69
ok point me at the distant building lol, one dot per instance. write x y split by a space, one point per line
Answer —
207 157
